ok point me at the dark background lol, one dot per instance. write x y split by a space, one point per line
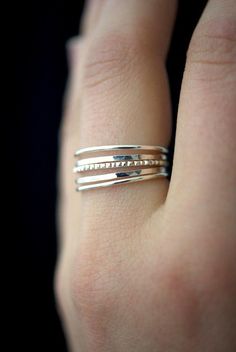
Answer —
41 29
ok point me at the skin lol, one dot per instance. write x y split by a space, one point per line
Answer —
150 266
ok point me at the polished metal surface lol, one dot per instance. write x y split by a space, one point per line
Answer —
136 163
121 147
123 181
119 164
123 157
118 175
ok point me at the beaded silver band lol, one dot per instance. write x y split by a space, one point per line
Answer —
136 163
119 164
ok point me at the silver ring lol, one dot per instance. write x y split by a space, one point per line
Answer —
124 157
136 163
121 147
118 164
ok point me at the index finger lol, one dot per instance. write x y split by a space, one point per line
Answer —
125 95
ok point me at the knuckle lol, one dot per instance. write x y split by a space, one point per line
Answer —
91 283
212 50
59 286
93 296
82 291
110 58
98 280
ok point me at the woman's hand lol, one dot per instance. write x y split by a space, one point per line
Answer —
151 266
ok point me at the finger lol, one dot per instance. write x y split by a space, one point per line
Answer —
74 48
91 15
75 54
123 98
205 152
66 199
125 95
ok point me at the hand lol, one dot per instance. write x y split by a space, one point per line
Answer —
151 266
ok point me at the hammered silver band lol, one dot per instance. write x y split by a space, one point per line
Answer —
136 163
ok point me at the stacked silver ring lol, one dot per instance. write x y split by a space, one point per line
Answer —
118 164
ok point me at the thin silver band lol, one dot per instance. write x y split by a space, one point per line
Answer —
136 163
122 181
118 175
123 157
121 147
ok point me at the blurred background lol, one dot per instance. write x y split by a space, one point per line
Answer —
40 71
